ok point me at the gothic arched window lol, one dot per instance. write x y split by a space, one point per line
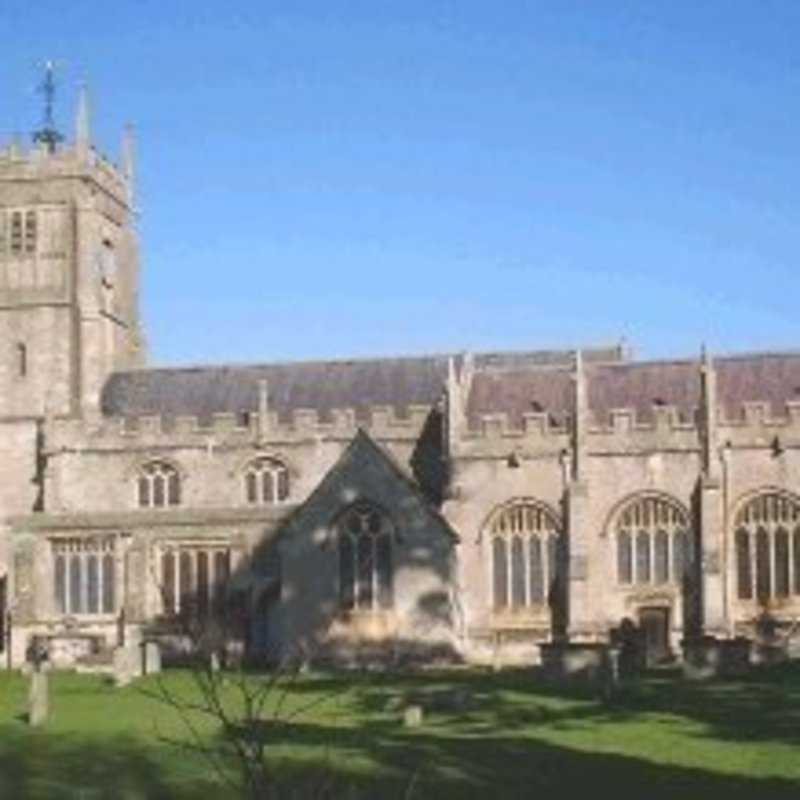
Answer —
159 485
767 542
653 538
525 548
266 482
365 540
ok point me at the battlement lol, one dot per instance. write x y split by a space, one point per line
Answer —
622 428
381 422
19 162
756 426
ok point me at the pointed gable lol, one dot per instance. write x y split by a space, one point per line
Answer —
365 472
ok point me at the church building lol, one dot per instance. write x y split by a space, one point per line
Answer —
463 506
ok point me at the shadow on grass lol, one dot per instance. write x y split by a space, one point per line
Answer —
484 735
430 764
63 766
764 706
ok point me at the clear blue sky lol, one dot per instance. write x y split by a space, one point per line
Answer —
322 179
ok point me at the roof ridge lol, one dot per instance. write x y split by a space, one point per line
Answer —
695 360
365 359
252 365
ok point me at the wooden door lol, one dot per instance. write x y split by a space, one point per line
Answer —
654 623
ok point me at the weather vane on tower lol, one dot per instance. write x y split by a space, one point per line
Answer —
47 134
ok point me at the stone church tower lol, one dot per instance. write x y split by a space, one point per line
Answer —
69 274
69 279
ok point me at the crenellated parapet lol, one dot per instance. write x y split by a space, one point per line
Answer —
19 162
383 423
756 425
495 436
624 430
666 428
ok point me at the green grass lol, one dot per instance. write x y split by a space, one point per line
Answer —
514 739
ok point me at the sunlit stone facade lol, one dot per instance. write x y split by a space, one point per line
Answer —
446 507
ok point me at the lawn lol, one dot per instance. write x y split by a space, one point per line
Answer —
514 738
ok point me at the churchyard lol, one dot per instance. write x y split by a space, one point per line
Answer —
471 735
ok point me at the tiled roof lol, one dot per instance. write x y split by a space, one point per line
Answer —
202 391
510 383
319 385
773 378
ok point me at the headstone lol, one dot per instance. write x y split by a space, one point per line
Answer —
412 716
575 662
123 672
611 676
151 658
214 661
708 657
38 700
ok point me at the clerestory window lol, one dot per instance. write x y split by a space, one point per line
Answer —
266 482
159 485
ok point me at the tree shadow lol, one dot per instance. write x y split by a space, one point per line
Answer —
387 761
493 733
38 764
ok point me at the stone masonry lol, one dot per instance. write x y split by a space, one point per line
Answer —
462 506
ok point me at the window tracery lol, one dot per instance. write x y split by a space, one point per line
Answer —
365 541
266 482
525 551
652 536
767 546
194 579
84 575
158 485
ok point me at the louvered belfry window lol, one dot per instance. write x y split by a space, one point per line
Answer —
23 232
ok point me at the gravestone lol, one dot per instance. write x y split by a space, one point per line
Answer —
38 698
706 657
412 716
151 657
123 668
